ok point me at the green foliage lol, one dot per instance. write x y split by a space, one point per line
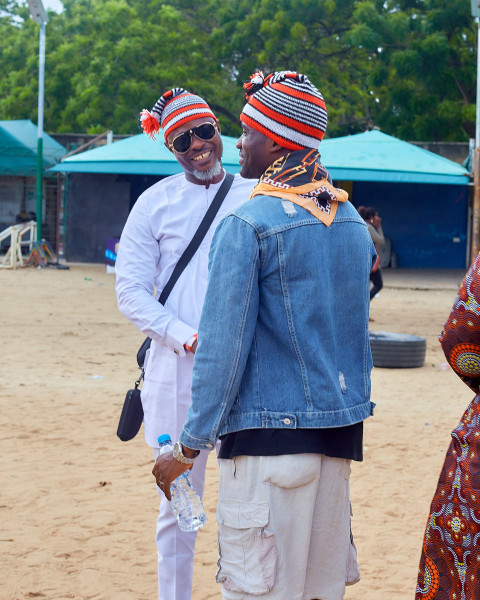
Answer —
309 36
405 66
423 75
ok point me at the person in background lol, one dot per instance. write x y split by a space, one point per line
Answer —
374 224
450 560
282 368
160 226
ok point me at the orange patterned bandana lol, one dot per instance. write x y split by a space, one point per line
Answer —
301 178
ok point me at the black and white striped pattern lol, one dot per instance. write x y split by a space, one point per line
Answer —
157 110
295 122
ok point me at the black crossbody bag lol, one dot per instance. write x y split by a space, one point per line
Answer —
132 411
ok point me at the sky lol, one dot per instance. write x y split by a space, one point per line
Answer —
55 5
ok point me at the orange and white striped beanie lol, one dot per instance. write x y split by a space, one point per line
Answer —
173 109
286 107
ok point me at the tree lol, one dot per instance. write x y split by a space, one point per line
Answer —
105 61
18 61
423 65
406 66
309 36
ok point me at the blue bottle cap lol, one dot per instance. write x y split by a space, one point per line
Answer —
164 439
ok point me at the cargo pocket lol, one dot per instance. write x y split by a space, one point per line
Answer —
291 471
247 551
345 471
353 572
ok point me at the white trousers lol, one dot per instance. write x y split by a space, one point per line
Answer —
175 547
166 398
284 527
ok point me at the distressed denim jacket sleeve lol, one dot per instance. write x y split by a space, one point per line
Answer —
226 330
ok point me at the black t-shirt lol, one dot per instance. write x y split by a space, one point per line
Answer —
336 442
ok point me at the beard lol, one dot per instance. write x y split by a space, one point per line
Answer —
210 173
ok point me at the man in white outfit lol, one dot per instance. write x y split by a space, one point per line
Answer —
159 228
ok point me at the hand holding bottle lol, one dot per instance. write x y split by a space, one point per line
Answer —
166 470
186 503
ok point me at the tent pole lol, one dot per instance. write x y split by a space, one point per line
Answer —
41 80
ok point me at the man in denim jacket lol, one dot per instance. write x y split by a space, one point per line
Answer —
282 369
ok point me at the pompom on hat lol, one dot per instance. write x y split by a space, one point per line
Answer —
286 107
173 109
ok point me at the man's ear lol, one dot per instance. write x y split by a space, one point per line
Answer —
276 147
218 127
167 147
275 150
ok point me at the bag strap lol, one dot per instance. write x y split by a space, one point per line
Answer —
198 237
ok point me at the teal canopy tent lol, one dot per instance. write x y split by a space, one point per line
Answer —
138 155
376 156
18 149
384 172
369 156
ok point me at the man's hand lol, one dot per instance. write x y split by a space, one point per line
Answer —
165 470
191 344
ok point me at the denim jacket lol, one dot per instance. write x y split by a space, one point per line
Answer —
283 336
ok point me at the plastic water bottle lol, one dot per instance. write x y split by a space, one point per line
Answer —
186 503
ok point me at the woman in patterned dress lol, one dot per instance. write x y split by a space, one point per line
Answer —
450 562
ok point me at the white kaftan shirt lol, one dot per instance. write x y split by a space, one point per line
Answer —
160 226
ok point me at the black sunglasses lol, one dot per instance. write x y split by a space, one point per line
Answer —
182 143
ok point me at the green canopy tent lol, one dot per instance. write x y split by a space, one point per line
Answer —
18 171
18 149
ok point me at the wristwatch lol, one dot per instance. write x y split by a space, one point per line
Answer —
178 455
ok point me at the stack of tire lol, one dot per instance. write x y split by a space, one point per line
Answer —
397 350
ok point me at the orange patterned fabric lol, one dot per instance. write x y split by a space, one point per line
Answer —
450 562
301 178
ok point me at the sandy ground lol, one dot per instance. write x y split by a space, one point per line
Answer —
78 507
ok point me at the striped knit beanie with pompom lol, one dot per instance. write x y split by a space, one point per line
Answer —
175 108
286 107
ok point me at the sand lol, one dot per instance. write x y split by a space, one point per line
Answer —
78 507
